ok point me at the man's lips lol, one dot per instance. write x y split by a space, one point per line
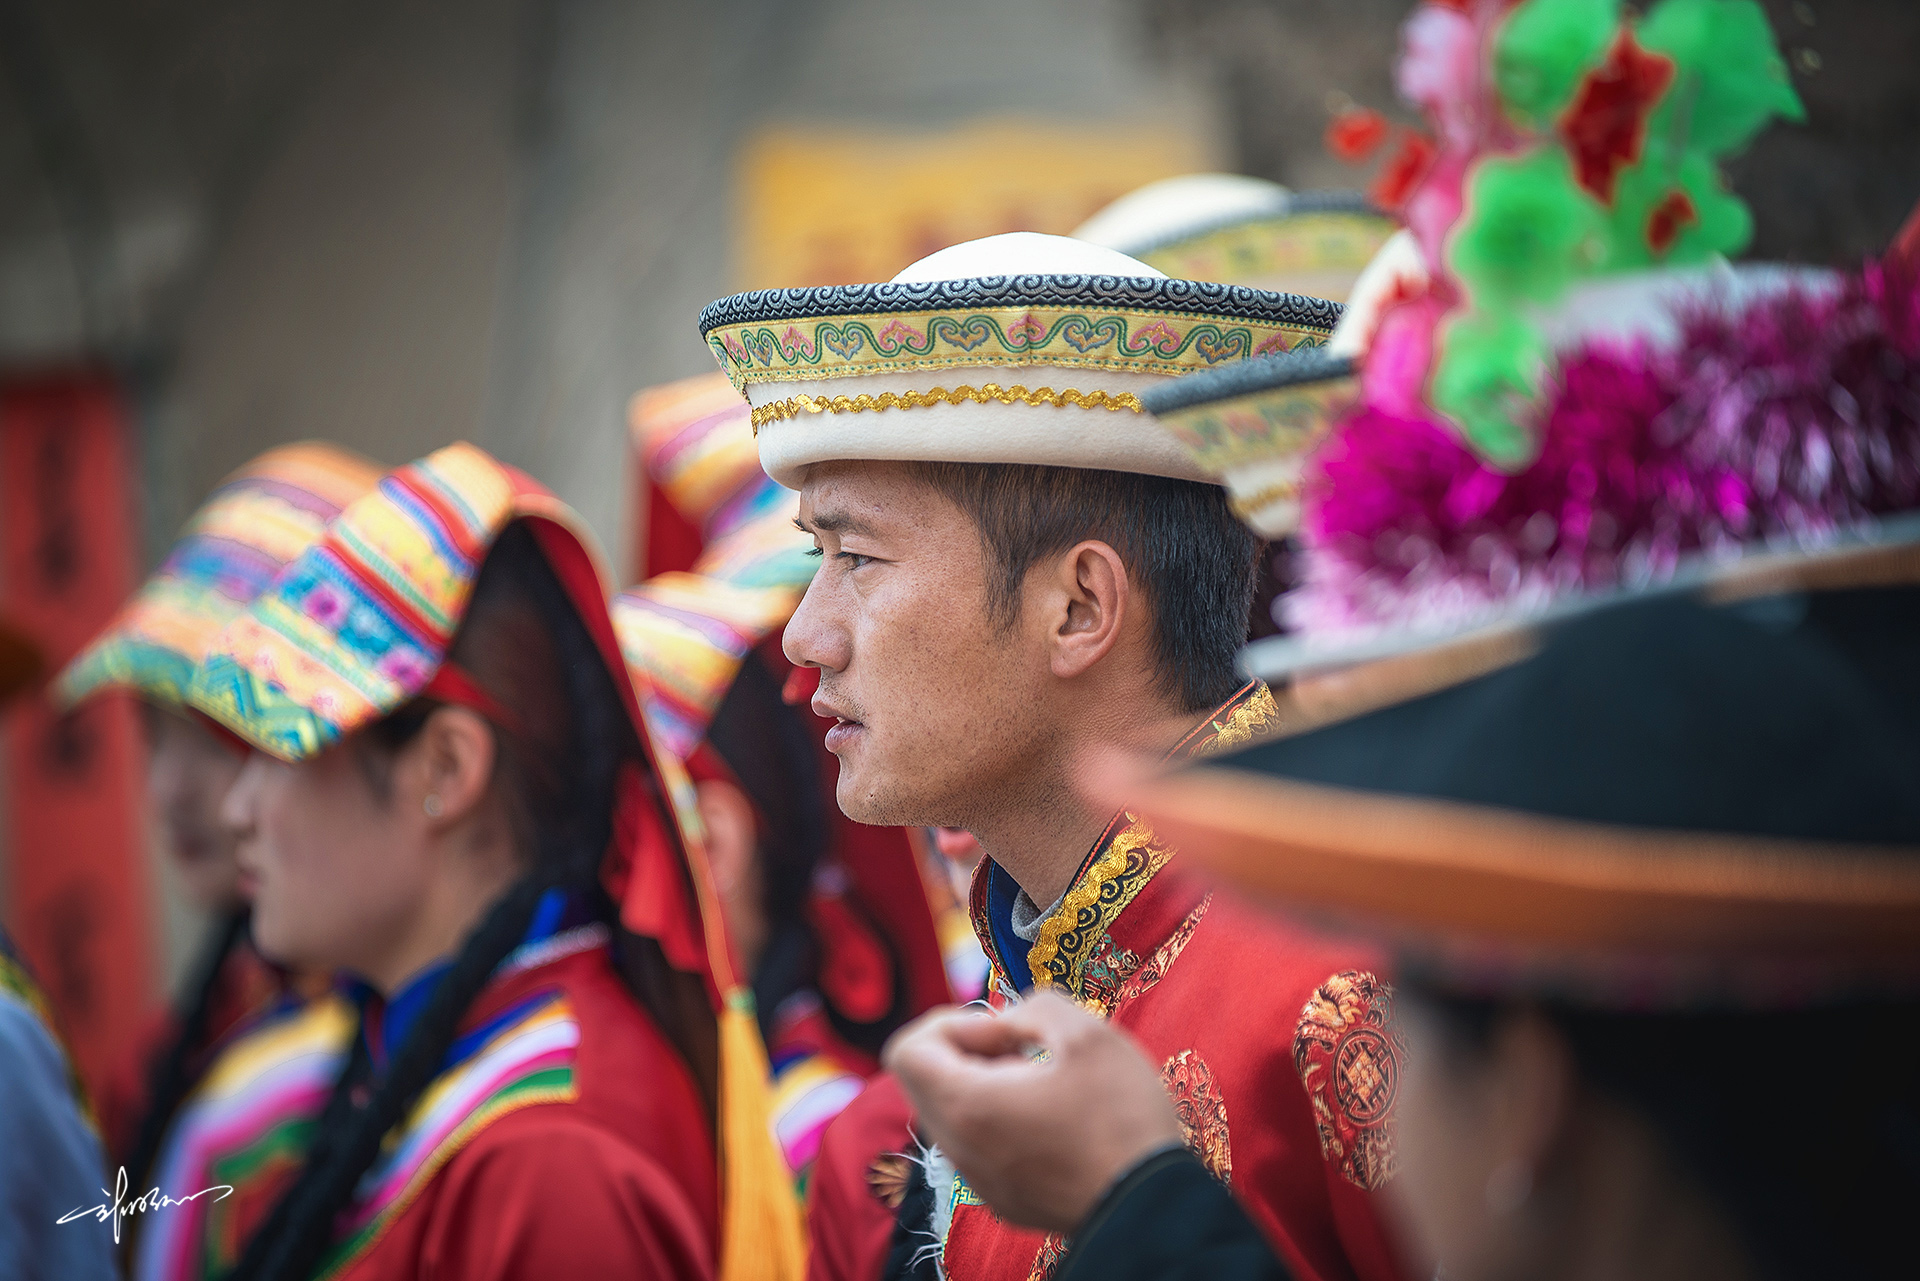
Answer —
843 734
844 729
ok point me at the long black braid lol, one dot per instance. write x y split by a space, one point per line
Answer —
559 787
174 1070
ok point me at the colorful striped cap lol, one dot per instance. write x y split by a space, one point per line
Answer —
260 517
360 622
688 633
701 468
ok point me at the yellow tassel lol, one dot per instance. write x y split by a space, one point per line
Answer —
761 1238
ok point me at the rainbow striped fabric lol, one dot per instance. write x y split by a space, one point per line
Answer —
521 1056
360 621
248 1125
809 1090
259 518
251 1122
696 442
685 636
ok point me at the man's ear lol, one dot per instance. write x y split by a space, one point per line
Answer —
454 756
1084 599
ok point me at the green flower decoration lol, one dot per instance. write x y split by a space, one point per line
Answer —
1711 221
1490 368
1732 79
1544 49
1648 139
1529 232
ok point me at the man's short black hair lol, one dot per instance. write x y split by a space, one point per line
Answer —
1182 547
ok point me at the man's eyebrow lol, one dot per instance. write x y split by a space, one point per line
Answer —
834 523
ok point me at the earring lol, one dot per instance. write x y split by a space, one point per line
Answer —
432 805
1508 1187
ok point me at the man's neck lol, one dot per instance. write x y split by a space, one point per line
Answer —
1042 829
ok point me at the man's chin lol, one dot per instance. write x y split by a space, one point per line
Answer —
874 804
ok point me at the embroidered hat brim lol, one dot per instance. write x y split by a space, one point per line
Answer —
356 625
261 517
1044 369
1306 242
1252 426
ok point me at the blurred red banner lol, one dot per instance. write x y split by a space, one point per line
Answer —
76 882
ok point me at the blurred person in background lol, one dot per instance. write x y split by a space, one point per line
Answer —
1653 882
453 800
1037 569
832 919
257 520
1238 230
50 1158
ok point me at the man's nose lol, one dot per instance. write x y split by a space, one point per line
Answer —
812 638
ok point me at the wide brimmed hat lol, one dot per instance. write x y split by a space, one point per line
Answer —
1245 231
1018 348
1252 426
361 623
261 517
1687 796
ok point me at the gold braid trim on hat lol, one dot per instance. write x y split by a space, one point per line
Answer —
800 402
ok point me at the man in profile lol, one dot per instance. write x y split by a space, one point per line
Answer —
1017 565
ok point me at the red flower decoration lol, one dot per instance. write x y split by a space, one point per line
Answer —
1665 222
1606 124
1403 172
1356 133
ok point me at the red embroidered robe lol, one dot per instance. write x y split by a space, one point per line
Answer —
565 1138
1273 1043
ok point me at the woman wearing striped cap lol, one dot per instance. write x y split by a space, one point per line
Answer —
451 798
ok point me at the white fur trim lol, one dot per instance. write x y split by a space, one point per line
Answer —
940 1175
1060 436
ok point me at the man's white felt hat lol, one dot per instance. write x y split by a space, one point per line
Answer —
1019 348
1245 231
